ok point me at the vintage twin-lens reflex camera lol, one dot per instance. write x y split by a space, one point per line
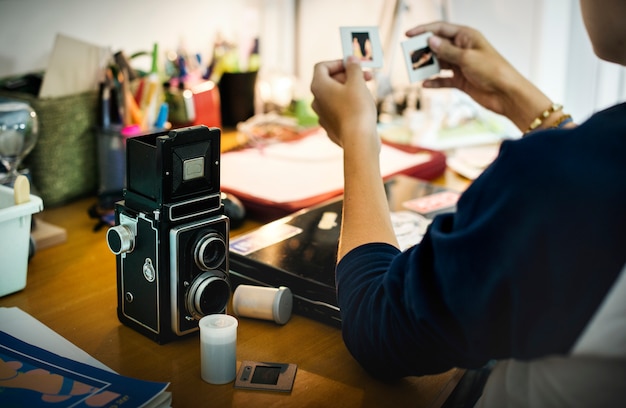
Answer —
171 234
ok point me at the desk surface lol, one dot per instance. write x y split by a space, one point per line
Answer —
72 289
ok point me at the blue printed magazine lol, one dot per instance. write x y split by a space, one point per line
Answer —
33 377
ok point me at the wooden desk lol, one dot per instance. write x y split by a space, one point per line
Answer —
72 289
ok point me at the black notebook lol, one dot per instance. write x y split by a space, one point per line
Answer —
299 251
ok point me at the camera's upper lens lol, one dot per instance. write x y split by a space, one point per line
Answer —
210 251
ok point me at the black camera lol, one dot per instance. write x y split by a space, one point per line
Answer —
171 234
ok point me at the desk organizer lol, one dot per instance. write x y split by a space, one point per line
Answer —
63 163
15 221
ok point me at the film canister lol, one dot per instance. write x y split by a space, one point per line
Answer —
263 302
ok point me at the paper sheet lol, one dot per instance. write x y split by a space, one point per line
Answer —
312 166
74 67
471 161
25 327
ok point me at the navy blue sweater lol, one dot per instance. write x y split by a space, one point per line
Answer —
516 272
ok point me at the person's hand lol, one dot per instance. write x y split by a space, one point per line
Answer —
481 72
343 103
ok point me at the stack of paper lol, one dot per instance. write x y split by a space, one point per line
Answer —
300 170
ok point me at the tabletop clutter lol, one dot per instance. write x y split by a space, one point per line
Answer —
128 103
89 129
88 93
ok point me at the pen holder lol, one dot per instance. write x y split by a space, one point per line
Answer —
112 162
237 91
197 105
111 166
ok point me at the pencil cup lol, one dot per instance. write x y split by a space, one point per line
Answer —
218 344
263 303
111 166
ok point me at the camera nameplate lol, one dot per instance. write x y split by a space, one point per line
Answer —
193 208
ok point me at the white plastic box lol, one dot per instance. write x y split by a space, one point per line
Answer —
15 239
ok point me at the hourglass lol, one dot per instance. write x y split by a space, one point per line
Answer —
18 135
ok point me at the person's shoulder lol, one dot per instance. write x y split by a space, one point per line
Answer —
616 110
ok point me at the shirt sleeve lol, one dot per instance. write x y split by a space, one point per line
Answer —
502 277
387 336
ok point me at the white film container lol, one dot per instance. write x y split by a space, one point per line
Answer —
218 348
15 224
263 303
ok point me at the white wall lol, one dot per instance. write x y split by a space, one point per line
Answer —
544 39
592 84
28 27
318 30
507 24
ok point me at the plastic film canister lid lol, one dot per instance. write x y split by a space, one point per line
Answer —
283 304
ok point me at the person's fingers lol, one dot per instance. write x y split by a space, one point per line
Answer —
354 72
440 82
440 28
329 68
336 70
314 106
445 50
323 71
318 109
445 65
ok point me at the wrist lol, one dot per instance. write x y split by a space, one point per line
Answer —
362 154
545 117
524 103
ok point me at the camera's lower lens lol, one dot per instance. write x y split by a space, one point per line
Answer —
210 251
208 294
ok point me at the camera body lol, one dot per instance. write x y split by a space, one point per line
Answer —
171 234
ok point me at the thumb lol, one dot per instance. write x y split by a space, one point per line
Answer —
445 50
354 72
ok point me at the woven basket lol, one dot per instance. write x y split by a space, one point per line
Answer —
63 163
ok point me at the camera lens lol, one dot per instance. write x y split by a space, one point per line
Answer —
210 251
207 295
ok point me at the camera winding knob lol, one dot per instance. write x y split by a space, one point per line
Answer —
120 239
